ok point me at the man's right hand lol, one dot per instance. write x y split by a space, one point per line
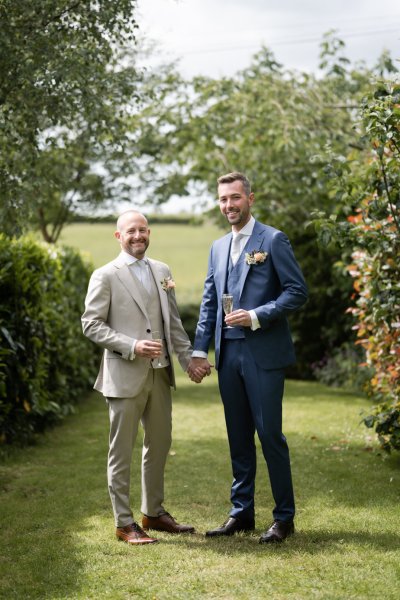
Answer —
148 348
198 368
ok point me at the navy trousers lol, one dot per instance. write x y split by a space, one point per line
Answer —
252 399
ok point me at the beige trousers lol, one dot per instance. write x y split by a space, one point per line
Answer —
152 407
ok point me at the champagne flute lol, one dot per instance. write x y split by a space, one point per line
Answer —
156 336
227 305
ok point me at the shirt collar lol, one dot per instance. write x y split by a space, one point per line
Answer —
129 259
247 230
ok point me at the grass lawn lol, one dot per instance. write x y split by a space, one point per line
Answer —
57 536
184 248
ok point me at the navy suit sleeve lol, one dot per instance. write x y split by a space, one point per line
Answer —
293 287
208 311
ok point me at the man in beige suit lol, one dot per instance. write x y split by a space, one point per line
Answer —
127 301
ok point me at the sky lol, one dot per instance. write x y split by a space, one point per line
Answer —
218 37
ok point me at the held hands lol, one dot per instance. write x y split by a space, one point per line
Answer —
238 318
198 368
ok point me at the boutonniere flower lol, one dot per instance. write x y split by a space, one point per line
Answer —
167 284
256 257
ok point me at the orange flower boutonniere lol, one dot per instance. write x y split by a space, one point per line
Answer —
256 257
167 284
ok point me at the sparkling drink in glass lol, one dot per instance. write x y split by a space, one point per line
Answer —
227 305
156 336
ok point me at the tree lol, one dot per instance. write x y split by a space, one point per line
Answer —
66 79
272 124
267 120
366 224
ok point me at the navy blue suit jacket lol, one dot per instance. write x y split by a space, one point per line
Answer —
273 289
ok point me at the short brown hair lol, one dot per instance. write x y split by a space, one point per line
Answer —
236 176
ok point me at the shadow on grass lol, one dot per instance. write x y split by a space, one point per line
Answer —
305 542
40 558
47 494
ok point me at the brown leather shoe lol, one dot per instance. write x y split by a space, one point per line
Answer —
133 534
278 531
165 522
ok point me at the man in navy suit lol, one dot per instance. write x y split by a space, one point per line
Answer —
256 265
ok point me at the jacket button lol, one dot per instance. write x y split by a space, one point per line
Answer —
148 330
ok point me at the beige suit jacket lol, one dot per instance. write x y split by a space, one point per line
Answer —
115 316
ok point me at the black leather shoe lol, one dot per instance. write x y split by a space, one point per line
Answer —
231 526
278 531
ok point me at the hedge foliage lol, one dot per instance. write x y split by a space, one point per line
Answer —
366 184
45 361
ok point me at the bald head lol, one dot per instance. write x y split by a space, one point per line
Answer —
123 217
133 233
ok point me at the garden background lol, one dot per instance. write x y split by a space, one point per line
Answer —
84 128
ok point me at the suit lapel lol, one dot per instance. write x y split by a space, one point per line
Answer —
223 255
253 243
158 277
128 279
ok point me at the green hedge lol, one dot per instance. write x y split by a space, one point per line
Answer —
45 361
189 314
322 325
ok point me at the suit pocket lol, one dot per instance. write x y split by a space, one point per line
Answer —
113 354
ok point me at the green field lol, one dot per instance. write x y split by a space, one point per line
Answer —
184 248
